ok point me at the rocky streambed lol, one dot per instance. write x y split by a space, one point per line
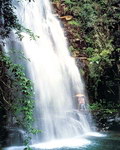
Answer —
107 121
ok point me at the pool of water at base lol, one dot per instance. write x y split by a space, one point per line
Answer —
101 141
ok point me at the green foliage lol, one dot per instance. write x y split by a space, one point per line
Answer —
10 21
19 95
97 23
16 90
16 93
74 22
95 106
69 2
19 29
27 148
108 108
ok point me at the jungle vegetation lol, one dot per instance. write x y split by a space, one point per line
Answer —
16 90
93 31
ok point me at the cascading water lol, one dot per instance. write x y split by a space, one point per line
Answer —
54 74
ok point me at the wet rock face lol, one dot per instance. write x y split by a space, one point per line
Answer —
114 122
11 136
105 121
3 136
15 136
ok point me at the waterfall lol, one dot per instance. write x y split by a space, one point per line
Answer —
53 71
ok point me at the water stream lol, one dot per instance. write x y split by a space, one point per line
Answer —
106 141
54 74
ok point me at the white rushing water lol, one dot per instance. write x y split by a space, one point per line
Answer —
54 74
